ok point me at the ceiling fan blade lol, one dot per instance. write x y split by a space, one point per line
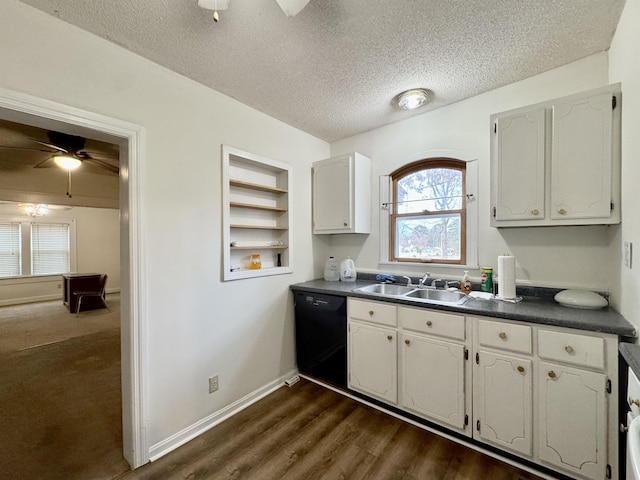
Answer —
45 163
55 147
104 165
25 148
292 7
97 154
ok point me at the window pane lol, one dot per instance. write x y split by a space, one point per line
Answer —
434 190
433 237
49 248
10 250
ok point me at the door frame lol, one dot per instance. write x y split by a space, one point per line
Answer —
16 106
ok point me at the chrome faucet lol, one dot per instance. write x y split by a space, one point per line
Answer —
440 281
409 284
422 282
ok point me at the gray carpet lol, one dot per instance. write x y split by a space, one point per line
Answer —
60 396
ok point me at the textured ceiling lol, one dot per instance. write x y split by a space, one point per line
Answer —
333 69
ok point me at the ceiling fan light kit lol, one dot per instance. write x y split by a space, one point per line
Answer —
67 162
413 98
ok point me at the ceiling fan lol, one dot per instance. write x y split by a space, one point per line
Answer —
289 7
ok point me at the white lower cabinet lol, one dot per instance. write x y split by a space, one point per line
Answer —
433 379
373 364
503 409
573 419
546 394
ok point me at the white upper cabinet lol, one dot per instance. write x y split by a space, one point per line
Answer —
558 163
342 195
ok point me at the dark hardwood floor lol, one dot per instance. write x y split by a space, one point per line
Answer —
309 432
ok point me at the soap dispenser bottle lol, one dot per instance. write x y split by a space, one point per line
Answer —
465 284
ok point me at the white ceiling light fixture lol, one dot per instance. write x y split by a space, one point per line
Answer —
32 210
289 7
67 162
413 98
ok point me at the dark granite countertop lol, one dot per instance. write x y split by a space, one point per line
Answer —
540 310
631 353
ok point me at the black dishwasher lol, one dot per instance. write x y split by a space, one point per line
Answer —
321 336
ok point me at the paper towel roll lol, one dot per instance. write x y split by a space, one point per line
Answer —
507 277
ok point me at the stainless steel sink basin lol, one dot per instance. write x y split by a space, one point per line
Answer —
423 295
386 289
439 296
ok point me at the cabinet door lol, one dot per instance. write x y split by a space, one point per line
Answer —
332 199
573 419
373 363
519 160
505 401
581 158
433 378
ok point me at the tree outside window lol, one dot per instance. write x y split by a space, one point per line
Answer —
428 214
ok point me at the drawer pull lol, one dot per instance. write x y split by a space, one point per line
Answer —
502 335
371 312
562 211
389 337
535 211
429 323
345 224
568 349
520 369
552 374
407 341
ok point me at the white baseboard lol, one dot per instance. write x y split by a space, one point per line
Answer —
39 298
189 433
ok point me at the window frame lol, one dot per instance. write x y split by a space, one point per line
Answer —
417 166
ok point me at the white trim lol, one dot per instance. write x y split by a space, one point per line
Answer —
189 433
17 107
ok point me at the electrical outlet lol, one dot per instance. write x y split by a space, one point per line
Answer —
213 384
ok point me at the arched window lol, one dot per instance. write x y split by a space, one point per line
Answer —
428 213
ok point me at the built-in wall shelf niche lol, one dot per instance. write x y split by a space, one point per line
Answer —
256 213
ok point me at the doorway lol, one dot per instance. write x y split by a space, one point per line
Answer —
25 109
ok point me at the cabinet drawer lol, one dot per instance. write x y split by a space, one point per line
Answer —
375 312
504 336
431 322
571 348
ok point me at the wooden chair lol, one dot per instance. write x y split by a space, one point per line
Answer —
98 293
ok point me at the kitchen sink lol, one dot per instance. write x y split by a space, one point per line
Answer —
440 296
386 289
426 295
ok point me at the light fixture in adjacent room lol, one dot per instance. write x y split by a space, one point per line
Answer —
289 7
32 210
67 162
413 98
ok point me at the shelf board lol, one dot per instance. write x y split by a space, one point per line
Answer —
258 227
257 207
261 247
256 186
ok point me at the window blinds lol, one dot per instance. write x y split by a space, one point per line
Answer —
10 258
49 248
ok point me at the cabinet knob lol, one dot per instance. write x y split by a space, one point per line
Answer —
568 349
345 224
429 323
389 337
535 211
562 211
407 341
371 312
520 369
502 335
552 374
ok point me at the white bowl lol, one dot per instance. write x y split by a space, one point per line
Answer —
581 299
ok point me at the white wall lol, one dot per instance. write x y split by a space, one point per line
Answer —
562 256
97 247
197 325
624 67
